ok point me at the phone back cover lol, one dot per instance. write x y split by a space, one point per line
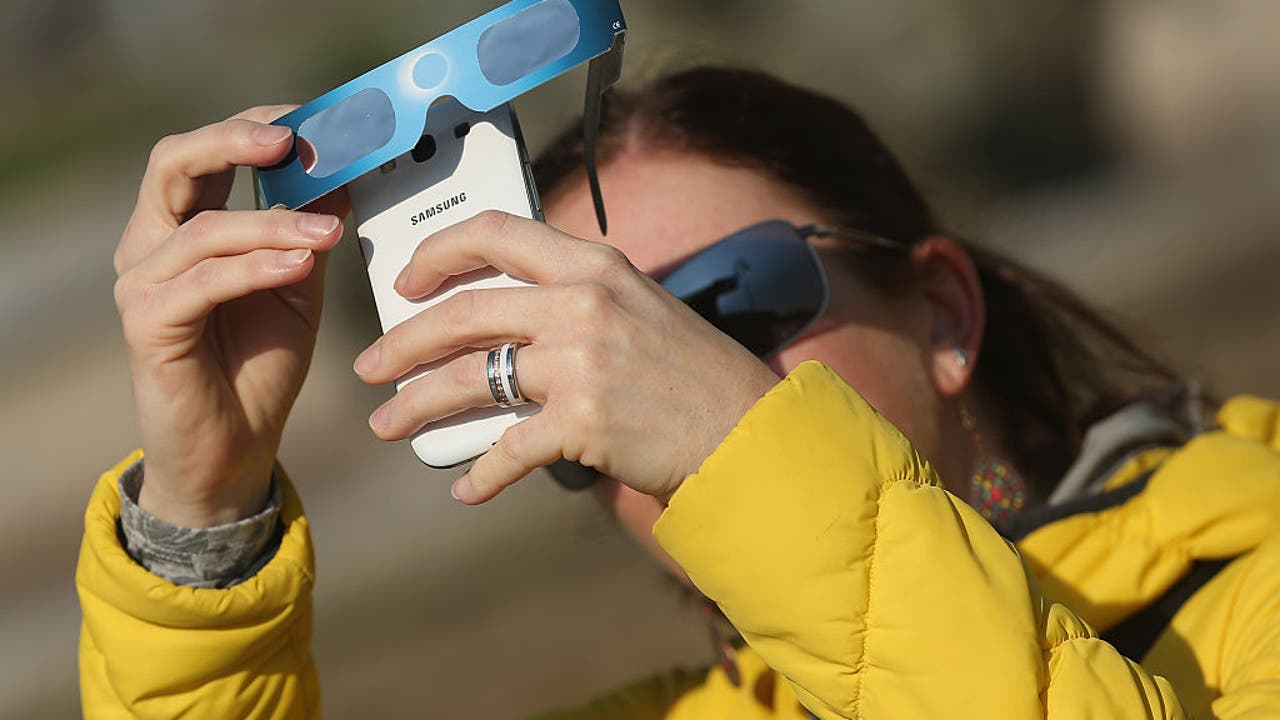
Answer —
396 211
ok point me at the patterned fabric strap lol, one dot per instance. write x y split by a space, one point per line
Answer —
216 557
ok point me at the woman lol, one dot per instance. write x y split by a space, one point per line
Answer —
861 586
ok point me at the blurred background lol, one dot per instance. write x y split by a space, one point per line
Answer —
1129 147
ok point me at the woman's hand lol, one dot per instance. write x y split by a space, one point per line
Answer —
219 311
631 381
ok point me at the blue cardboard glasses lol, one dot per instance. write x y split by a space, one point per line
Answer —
489 61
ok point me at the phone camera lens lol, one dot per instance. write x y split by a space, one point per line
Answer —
425 149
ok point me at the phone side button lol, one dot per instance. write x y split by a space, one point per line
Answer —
534 201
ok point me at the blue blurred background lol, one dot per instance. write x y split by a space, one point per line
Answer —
1129 147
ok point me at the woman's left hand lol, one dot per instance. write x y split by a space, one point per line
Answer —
631 381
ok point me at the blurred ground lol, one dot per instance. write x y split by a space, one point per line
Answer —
1131 148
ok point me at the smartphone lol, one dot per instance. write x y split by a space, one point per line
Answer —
466 162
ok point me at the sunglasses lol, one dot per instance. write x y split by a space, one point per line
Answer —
764 286
482 64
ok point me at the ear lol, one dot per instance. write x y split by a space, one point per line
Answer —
958 314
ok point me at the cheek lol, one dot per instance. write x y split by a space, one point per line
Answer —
886 368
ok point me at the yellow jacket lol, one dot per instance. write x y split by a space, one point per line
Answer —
863 589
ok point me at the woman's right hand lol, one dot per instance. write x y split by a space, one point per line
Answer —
219 311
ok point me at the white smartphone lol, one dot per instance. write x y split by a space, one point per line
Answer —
465 163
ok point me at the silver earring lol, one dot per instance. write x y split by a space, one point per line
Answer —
962 357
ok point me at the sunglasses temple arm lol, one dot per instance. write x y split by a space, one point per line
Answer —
604 71
855 235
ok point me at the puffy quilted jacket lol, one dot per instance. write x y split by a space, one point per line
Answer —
862 588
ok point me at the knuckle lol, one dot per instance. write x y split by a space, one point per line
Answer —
391 347
132 304
464 379
574 447
281 223
132 297
609 260
119 260
148 296
460 310
593 356
396 409
583 414
263 113
122 291
491 222
205 273
203 224
591 303
233 130
163 150
122 259
420 255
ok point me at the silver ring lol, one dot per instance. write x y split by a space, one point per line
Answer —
495 385
501 369
513 385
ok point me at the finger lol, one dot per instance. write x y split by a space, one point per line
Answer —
458 385
181 174
265 113
523 448
171 184
224 233
517 246
215 189
213 281
471 318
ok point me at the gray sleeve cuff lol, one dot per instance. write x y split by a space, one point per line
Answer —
216 557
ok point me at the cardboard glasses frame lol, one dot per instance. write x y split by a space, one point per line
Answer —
380 115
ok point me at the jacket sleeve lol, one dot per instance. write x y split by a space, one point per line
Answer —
828 542
151 649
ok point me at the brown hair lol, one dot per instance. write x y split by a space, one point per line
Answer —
1050 365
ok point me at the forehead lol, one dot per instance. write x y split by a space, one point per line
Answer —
664 207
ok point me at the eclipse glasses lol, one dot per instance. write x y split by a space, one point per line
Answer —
367 122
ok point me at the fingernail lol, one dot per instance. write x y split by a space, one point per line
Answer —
317 226
403 278
268 135
369 359
293 258
378 420
462 488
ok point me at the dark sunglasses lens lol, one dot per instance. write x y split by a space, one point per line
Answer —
762 286
573 476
